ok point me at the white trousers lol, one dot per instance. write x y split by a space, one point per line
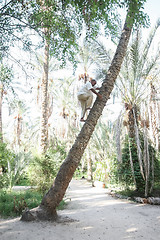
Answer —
85 101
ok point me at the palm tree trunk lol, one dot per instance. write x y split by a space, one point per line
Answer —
44 96
1 99
154 115
131 162
89 168
47 208
19 129
146 161
152 173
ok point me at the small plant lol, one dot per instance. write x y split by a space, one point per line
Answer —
19 205
16 167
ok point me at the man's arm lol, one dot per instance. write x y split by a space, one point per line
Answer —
94 91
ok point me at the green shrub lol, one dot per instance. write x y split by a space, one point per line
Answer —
12 166
5 157
16 165
43 169
12 203
122 172
23 180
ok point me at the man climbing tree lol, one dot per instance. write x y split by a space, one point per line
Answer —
47 208
85 96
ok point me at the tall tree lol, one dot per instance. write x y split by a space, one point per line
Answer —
44 97
47 208
14 15
134 85
18 109
5 80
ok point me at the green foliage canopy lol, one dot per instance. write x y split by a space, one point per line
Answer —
64 21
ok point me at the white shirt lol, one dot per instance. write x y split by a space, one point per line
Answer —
86 88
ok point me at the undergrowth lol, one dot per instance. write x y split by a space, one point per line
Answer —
133 193
12 203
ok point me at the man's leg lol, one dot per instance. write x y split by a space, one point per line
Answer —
83 109
82 99
89 102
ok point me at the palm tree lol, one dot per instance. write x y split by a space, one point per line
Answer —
44 93
47 208
154 113
86 60
62 91
133 78
18 112
44 97
134 84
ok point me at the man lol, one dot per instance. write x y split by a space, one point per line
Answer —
85 96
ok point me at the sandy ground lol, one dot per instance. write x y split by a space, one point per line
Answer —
95 215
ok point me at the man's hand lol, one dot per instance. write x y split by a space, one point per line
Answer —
99 96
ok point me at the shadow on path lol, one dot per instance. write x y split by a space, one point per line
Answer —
95 215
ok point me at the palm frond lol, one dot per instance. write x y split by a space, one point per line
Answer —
147 46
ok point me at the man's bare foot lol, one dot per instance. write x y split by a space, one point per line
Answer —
82 120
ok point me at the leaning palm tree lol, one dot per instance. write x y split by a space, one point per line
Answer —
47 208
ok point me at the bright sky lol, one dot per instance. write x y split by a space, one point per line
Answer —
152 8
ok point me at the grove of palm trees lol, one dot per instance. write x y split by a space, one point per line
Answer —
49 50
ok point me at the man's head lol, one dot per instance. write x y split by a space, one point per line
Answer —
93 82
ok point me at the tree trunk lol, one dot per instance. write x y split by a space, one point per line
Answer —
47 208
154 110
19 129
44 100
1 99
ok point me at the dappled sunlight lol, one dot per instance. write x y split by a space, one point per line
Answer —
158 218
4 223
133 229
11 227
131 232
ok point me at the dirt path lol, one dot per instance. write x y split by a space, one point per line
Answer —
97 217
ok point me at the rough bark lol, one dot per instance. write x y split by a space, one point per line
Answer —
131 162
47 208
44 100
1 99
19 129
154 117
